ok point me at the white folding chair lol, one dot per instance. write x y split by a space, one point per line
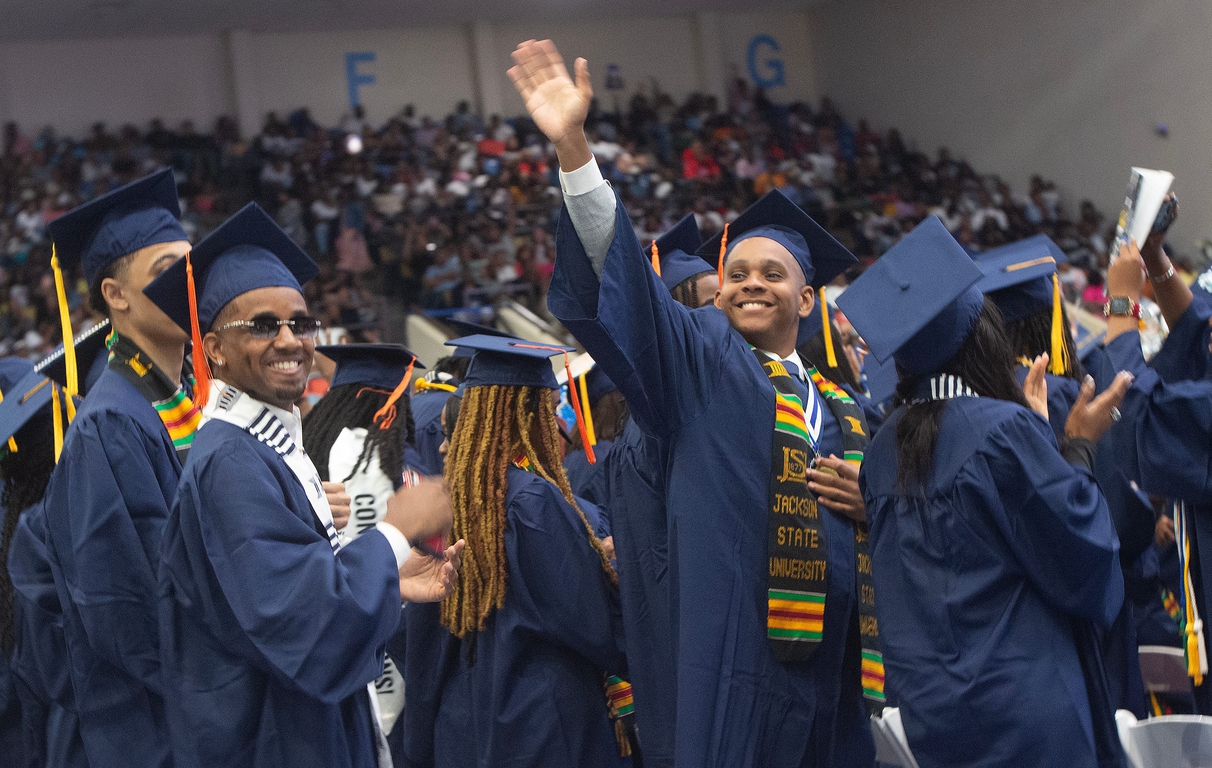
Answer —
1173 741
891 746
1164 669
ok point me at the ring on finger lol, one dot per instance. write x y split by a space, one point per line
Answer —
1115 414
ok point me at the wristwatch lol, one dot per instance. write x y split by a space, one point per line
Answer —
1121 306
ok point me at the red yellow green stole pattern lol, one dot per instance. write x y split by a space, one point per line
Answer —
180 415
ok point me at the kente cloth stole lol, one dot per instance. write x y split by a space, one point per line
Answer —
619 699
855 439
797 566
795 598
180 416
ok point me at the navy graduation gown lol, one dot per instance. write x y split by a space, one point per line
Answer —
693 384
1164 441
427 423
535 695
268 639
105 505
980 578
589 480
647 587
50 722
1184 355
10 704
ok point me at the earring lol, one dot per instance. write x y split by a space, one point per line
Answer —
219 363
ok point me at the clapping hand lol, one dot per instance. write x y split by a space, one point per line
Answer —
1035 386
427 579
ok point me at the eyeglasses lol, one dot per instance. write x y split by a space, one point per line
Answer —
268 326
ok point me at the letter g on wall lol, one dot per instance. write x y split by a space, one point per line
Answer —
765 70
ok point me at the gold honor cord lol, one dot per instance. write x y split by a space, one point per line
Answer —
69 341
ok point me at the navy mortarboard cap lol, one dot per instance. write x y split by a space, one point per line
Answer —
881 378
598 384
918 302
142 213
26 401
509 362
776 218
90 347
1020 278
676 252
246 252
372 365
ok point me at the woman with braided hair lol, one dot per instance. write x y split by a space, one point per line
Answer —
513 667
360 434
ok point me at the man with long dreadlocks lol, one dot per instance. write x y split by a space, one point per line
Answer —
360 434
775 650
515 666
31 436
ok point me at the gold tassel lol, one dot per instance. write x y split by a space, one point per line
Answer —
57 419
656 259
69 341
620 735
1059 364
830 356
593 439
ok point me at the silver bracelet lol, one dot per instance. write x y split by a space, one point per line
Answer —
1159 280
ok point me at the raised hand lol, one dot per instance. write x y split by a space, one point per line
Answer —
556 103
338 502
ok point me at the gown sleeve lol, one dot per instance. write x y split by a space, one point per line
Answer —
319 621
1184 355
1053 517
1170 426
665 359
118 513
563 587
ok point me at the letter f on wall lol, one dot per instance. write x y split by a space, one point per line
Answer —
354 78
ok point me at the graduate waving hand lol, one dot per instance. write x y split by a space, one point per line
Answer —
556 103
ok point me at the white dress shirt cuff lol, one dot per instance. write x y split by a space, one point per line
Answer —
584 179
399 545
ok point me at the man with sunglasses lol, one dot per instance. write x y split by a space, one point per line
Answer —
272 630
109 495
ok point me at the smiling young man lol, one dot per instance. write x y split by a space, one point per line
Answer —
765 585
271 631
109 495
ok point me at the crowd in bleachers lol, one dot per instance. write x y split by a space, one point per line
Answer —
440 214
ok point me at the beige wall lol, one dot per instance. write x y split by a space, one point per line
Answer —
1072 90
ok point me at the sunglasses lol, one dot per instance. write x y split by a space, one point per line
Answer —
268 326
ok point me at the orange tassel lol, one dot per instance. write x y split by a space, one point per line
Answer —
723 252
656 259
201 366
387 414
572 395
